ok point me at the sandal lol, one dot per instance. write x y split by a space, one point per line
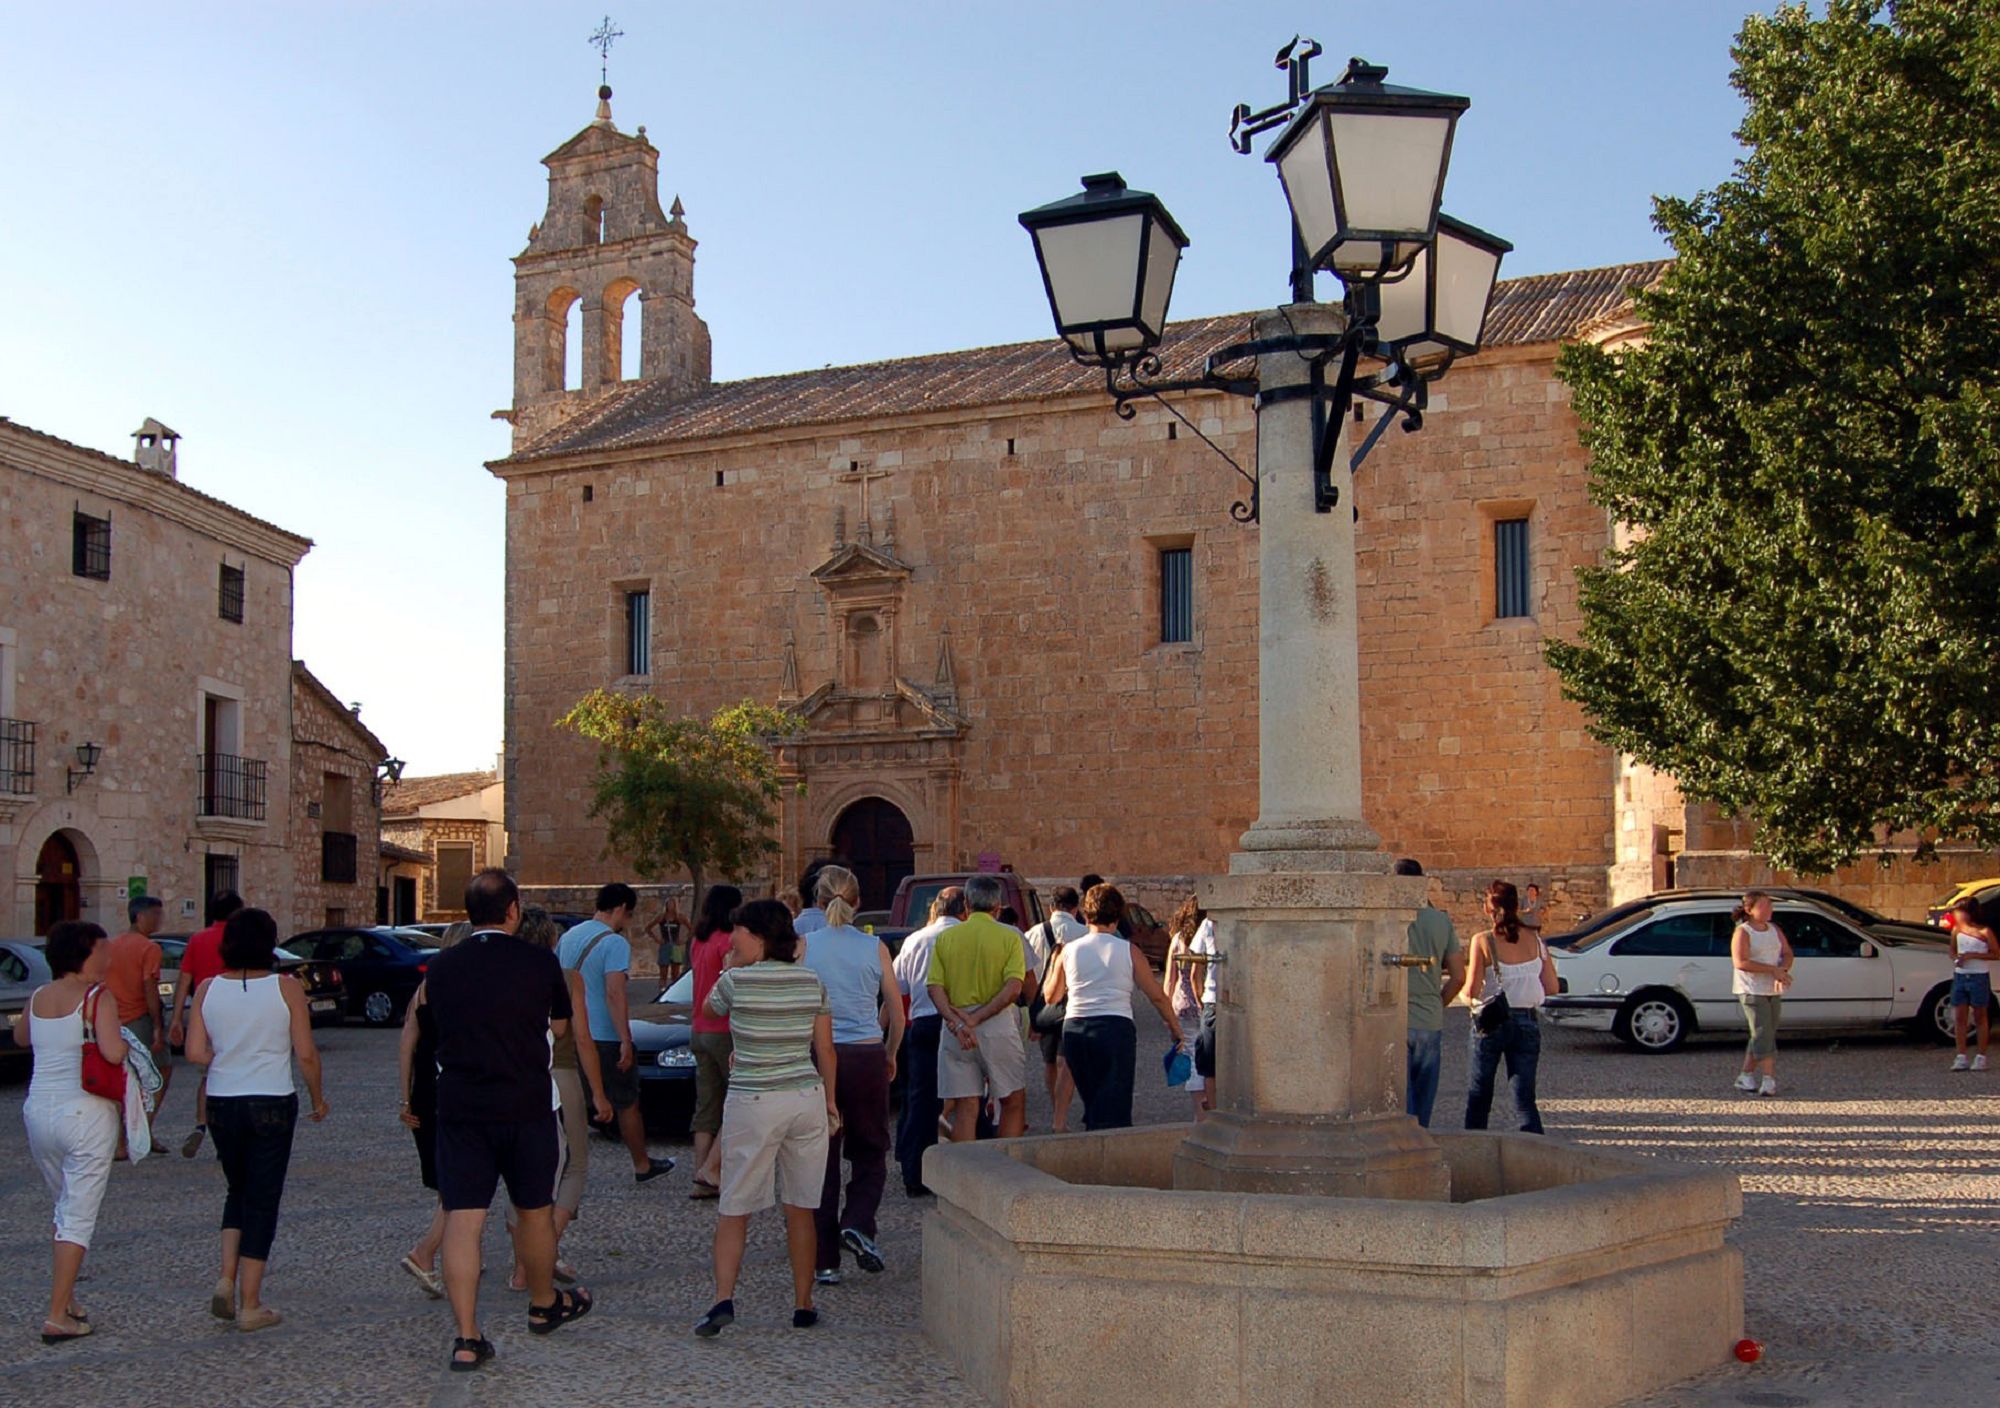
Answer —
703 1191
568 1306
425 1277
481 1350
58 1336
565 1273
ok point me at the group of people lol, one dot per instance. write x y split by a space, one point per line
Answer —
240 1019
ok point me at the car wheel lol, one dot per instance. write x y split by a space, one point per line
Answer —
1654 1022
378 1007
1936 1021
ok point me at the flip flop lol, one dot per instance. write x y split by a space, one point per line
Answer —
58 1336
425 1277
704 1190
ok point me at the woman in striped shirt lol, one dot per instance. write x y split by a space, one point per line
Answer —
779 1111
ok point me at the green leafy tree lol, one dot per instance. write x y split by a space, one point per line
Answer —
1804 626
697 795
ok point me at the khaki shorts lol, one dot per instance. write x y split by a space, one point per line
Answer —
997 1066
773 1145
711 1079
141 1027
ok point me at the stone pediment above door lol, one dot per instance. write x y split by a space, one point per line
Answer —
902 708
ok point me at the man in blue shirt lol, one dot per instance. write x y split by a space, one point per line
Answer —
597 951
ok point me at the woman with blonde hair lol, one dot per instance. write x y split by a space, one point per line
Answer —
1186 972
1511 974
859 975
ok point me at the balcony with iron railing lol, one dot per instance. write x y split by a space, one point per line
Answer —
230 787
337 853
17 758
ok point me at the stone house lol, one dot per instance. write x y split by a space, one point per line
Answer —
145 687
336 809
454 822
1017 627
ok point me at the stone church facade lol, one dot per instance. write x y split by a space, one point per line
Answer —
1018 629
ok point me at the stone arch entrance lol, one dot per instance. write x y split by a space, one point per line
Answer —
58 883
873 838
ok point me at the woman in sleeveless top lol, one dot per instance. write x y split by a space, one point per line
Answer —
1762 958
1508 958
72 1134
1187 974
249 1023
1095 975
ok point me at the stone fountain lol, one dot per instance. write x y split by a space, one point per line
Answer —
1308 1243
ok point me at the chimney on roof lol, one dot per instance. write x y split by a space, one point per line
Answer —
155 448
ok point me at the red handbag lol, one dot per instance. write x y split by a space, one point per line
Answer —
101 1075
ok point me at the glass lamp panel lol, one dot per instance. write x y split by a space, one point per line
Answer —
1465 277
1127 339
1309 187
1405 303
1391 169
1092 267
1163 257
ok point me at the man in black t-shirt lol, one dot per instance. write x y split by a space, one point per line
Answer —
498 1004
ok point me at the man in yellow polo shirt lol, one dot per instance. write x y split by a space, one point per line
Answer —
976 972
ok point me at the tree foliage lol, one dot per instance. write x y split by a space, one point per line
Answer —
1805 624
675 793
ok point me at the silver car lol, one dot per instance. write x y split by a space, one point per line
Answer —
22 970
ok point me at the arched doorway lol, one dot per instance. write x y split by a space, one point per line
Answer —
58 883
873 839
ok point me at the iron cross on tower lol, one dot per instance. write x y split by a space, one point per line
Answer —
601 40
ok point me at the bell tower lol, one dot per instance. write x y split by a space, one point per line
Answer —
604 244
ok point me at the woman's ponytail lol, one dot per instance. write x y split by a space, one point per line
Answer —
1506 902
839 894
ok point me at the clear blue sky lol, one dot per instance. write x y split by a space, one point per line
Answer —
285 229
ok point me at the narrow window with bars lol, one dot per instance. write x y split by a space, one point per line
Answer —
221 873
90 547
1176 595
1510 568
229 594
638 633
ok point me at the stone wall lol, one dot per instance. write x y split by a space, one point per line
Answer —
125 663
1033 533
327 743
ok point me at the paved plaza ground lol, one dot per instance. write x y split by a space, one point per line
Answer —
1870 1192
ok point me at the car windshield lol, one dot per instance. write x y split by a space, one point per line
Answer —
681 993
415 938
920 900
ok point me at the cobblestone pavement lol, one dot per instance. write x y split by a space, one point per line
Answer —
1870 1186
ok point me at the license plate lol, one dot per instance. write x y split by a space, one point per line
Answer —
325 1005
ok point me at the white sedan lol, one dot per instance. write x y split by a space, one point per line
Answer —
1663 972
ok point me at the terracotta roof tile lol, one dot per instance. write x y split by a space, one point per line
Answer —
405 797
1542 308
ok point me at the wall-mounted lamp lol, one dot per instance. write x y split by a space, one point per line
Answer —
87 755
388 770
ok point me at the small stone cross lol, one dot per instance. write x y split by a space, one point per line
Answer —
863 477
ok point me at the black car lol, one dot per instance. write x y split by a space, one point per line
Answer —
326 993
660 1031
380 966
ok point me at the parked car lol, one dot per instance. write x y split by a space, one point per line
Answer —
1661 972
1907 931
326 992
436 931
379 967
22 970
1984 893
660 1032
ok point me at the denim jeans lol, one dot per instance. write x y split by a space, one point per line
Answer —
1102 1052
253 1140
1520 1041
1426 1053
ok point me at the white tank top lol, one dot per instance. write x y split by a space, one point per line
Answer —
1098 968
58 1076
1764 948
1522 982
251 1030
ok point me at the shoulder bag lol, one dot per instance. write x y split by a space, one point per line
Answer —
1491 1013
101 1075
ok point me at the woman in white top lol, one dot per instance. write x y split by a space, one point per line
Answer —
1096 976
249 1023
1187 978
1974 949
1508 959
1762 957
72 1134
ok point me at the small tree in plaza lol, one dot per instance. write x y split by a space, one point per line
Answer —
1804 624
693 794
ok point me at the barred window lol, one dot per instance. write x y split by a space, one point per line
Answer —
1176 595
229 594
1510 568
638 633
90 547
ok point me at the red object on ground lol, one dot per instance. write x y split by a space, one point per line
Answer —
1749 1351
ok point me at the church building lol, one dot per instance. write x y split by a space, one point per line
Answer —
1018 629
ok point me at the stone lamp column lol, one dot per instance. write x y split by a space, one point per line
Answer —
1311 1021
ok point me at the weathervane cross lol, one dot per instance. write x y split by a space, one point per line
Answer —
601 39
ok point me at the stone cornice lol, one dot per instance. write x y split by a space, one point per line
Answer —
95 473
